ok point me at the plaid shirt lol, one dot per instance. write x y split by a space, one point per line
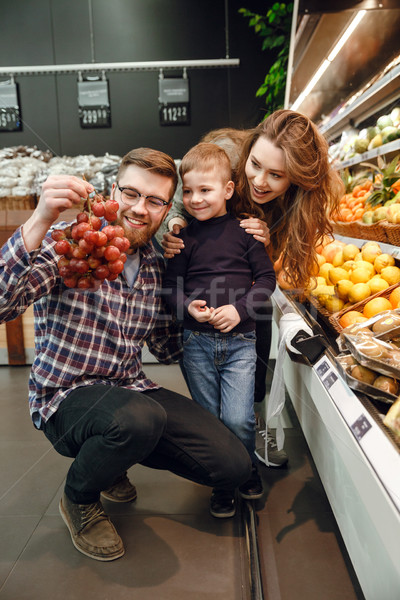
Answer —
82 337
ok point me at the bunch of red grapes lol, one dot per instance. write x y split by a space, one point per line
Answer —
89 255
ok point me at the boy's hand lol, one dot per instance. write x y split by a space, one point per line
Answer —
225 318
172 245
199 311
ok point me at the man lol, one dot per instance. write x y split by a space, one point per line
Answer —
87 390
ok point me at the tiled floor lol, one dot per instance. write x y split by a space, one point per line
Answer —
174 549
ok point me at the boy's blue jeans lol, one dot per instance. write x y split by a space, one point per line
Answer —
220 370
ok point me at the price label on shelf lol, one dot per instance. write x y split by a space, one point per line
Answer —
95 116
174 106
10 114
174 114
94 105
361 426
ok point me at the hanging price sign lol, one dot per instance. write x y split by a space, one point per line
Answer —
10 114
174 106
94 105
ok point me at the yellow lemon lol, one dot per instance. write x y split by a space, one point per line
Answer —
350 251
343 287
338 259
324 270
333 304
370 253
382 261
336 274
366 265
349 265
359 292
360 275
377 284
391 275
370 243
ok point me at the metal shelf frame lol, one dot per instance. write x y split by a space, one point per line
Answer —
119 66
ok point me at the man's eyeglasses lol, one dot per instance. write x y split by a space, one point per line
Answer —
131 197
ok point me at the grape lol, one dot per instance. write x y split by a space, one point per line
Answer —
111 253
62 247
87 252
102 239
98 209
58 234
110 215
82 217
116 266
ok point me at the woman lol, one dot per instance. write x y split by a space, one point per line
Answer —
285 191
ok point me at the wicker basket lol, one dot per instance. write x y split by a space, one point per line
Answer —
334 318
357 229
18 202
392 233
345 229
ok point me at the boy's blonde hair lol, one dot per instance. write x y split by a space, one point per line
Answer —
206 157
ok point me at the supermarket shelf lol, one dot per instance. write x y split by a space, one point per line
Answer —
364 106
387 150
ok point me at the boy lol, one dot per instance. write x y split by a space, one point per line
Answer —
214 285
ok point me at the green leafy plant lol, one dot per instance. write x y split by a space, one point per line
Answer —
385 180
274 28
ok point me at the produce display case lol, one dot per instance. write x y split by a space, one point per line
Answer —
357 457
358 461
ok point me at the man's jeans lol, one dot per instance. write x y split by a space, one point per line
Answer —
220 370
107 429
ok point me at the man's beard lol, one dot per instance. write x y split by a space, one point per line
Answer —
137 237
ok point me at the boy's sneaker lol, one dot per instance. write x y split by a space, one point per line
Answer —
92 532
253 488
222 503
121 491
276 458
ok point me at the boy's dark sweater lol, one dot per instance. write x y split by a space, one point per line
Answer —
219 264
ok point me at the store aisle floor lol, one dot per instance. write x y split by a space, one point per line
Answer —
174 549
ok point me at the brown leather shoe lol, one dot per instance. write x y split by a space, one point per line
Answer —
91 530
121 491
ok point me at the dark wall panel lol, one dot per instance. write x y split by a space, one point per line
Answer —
45 32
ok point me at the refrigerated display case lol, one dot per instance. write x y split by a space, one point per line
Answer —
357 458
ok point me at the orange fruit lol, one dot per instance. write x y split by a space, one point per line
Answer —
394 297
375 306
351 317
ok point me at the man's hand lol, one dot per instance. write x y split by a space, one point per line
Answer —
225 318
199 311
257 228
172 245
59 192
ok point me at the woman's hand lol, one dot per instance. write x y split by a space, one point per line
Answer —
257 228
225 318
172 245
